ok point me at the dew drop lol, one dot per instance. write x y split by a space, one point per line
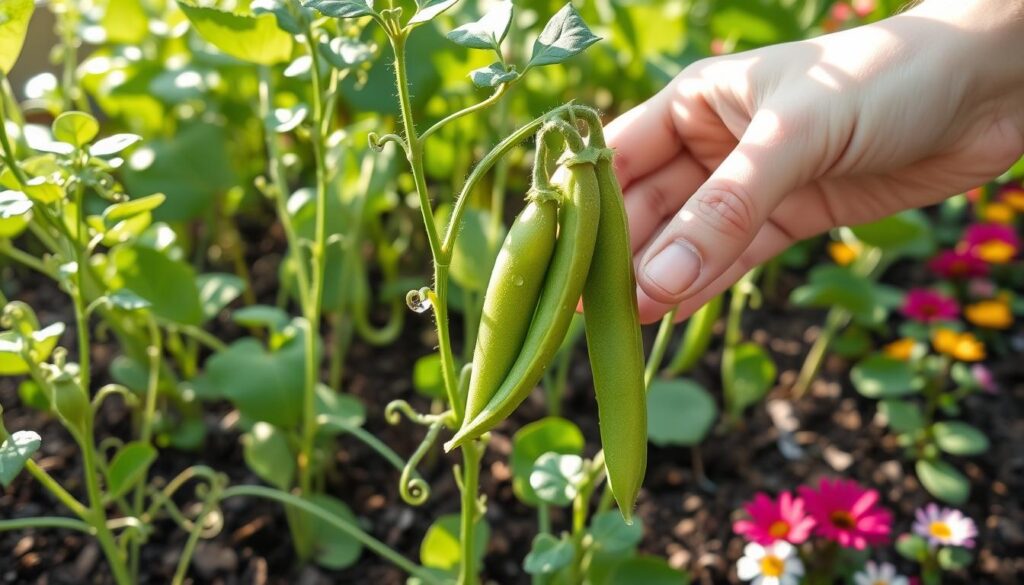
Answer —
417 301
518 280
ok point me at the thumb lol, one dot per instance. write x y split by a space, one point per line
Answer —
718 222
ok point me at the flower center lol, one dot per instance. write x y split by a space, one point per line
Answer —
779 529
881 582
771 566
940 530
842 519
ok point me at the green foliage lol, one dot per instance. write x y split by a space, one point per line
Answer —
14 17
129 467
679 412
14 452
751 376
440 547
943 481
879 376
549 435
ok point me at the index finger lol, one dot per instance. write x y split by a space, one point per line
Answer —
644 139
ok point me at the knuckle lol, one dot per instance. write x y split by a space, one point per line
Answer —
729 210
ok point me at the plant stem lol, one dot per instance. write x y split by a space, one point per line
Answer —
835 320
155 350
46 522
471 455
185 560
668 323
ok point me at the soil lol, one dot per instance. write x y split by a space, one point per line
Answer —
686 521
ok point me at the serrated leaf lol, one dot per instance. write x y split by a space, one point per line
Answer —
491 76
341 8
429 9
548 555
564 36
488 32
14 452
14 18
75 128
129 467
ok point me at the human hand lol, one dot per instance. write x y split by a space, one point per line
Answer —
743 155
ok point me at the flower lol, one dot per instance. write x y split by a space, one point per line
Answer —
847 513
776 564
1014 197
901 349
926 305
879 574
958 264
772 520
974 195
842 253
944 526
963 346
992 242
990 314
998 213
984 378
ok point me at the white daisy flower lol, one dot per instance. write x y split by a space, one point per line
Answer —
879 574
944 526
776 564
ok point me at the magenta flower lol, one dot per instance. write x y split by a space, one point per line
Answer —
982 233
944 526
847 513
773 520
986 381
926 305
958 264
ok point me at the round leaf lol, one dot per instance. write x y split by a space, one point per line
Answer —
555 478
269 456
679 412
880 376
943 481
552 434
427 376
75 128
959 438
902 416
440 548
548 554
752 376
611 534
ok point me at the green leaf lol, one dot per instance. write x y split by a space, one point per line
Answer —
943 481
647 570
15 213
679 412
16 450
830 286
429 9
912 547
344 411
264 386
752 375
341 8
253 38
564 36
555 478
333 547
126 300
41 344
902 416
32 395
548 555
552 434
492 76
880 376
268 455
488 32
14 17
440 548
267 316
118 212
955 558
753 23
129 467
114 144
908 233
75 128
611 534
427 376
217 290
169 285
345 53
126 22
959 438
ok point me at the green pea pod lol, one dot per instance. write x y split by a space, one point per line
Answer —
615 345
563 284
511 297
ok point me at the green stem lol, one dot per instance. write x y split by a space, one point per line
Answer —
185 560
46 522
155 350
733 336
654 359
29 260
471 455
835 320
342 524
498 93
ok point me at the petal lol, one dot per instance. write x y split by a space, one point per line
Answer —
754 551
747 568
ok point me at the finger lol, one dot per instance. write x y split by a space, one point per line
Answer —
654 198
644 139
717 224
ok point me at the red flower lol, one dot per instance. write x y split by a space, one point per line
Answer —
847 513
958 264
925 305
773 520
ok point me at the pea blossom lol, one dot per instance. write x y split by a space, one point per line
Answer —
944 526
772 520
775 564
847 513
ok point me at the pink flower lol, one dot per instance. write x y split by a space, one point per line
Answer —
944 526
926 305
863 8
958 264
772 520
986 381
847 514
992 242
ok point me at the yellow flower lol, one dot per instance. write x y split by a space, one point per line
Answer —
996 251
901 349
998 213
962 346
992 314
1014 198
842 253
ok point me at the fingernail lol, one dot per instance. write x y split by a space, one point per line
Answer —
674 269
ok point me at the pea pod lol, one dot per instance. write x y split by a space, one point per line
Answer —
563 284
511 297
614 342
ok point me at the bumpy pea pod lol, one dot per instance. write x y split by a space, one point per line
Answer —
578 219
511 296
614 343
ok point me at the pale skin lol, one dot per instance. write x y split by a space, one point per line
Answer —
742 155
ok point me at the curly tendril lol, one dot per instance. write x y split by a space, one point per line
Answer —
378 142
415 490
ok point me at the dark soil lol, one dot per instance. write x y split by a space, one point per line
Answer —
685 521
